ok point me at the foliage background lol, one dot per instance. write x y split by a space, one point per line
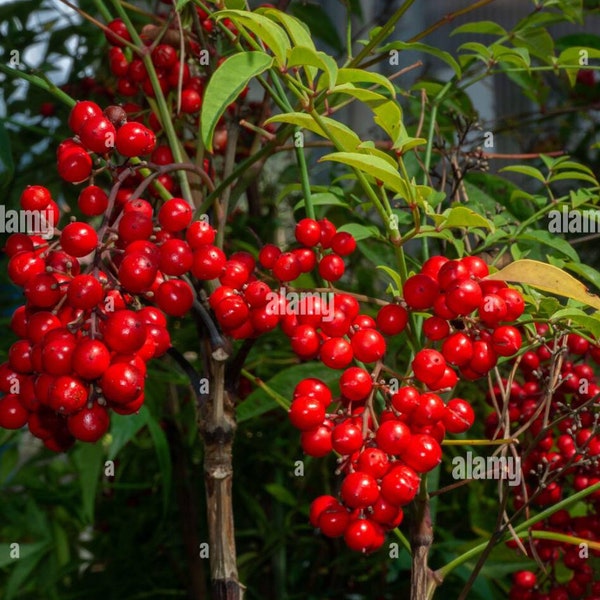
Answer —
138 534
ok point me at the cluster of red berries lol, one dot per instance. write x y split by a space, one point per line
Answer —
382 457
100 132
85 336
471 320
557 460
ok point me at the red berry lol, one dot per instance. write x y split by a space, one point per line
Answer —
343 243
124 332
336 353
174 297
420 291
208 262
92 201
117 30
506 340
423 453
428 366
331 267
355 384
98 134
392 319
368 345
81 112
89 424
121 383
67 395
359 490
78 239
400 485
134 139
13 415
457 349
175 215
393 436
306 413
308 232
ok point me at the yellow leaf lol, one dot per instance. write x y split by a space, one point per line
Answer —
547 278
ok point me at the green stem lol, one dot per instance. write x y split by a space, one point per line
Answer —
463 558
383 33
101 8
41 83
283 402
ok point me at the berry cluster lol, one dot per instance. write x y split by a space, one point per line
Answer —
86 330
382 456
554 398
470 321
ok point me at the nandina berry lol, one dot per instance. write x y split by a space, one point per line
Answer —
356 384
347 437
23 266
89 424
117 33
457 349
308 232
336 353
317 442
67 395
98 134
90 358
42 290
400 485
287 267
343 243
92 201
174 297
306 413
428 365
458 416
373 461
75 164
406 399
231 312
78 239
368 345
420 291
515 305
315 388
464 296
429 410
333 521
506 340
81 112
363 535
121 383
268 255
200 233
175 257
331 267
191 101
423 453
35 197
359 490
175 215
124 331
318 506
134 139
137 273
393 436
435 328
208 262
392 319
305 341
85 292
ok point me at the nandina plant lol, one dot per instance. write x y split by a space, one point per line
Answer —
394 378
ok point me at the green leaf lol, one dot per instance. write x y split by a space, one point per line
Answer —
575 58
348 75
25 551
264 29
308 57
427 49
319 23
163 454
235 4
225 85
515 56
297 30
181 4
388 114
393 275
361 232
281 494
7 165
123 428
489 27
283 383
525 170
88 460
551 240
342 133
21 573
480 51
587 322
323 199
585 271
461 217
373 166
